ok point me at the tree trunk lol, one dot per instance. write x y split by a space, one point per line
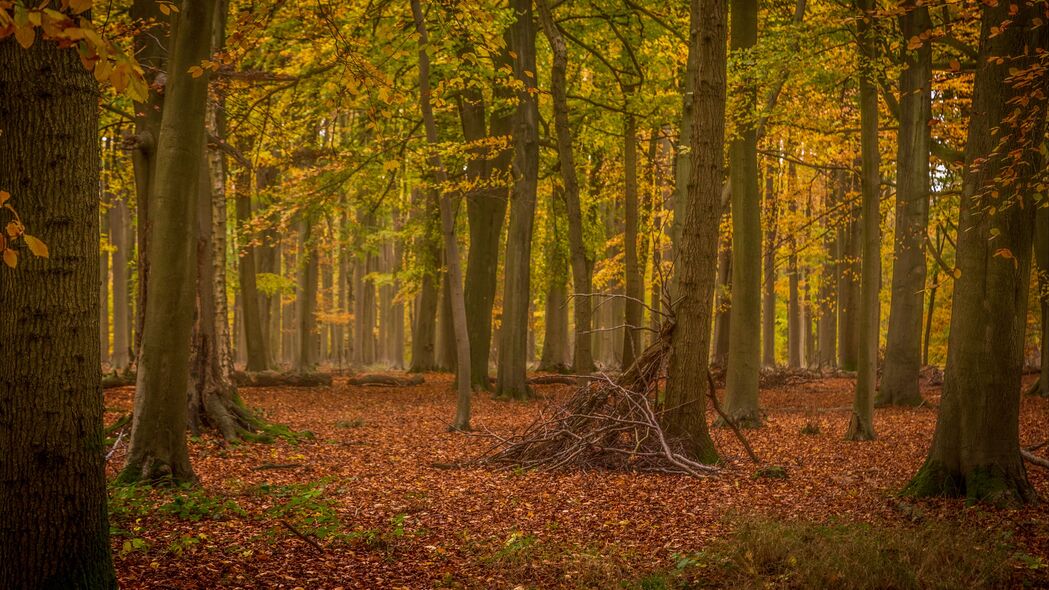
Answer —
861 424
768 299
118 233
451 246
1041 250
744 353
254 337
899 382
158 433
634 280
53 530
794 335
976 448
306 360
723 301
687 378
581 261
511 380
849 286
103 299
446 356
829 280
424 330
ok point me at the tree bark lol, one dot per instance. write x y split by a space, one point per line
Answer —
795 339
103 298
451 246
254 337
849 284
899 382
424 330
53 529
829 280
119 222
634 281
512 380
306 360
582 261
976 448
768 300
723 299
1041 250
687 383
158 433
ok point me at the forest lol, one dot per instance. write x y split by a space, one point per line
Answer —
519 294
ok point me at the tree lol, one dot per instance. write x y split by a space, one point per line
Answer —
512 381
53 529
158 433
1041 250
744 353
687 384
899 382
861 424
581 261
451 248
975 450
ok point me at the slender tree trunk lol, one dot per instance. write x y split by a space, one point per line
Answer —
424 330
103 300
307 310
899 382
976 448
446 357
687 383
829 280
158 433
254 337
118 231
849 287
768 299
794 335
861 425
723 301
53 529
555 337
1041 249
581 260
451 246
744 354
511 380
634 280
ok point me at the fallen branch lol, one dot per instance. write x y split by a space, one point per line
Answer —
267 466
276 379
384 380
294 530
731 423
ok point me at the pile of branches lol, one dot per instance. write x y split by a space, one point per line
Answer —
607 424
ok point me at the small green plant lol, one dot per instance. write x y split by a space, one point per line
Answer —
185 543
771 472
810 429
304 506
195 504
134 544
355 423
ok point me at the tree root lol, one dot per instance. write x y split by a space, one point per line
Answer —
383 380
276 379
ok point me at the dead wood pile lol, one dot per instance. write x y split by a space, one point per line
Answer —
608 423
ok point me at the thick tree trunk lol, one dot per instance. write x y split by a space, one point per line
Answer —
119 223
744 351
511 380
687 379
976 448
861 424
158 433
581 260
768 299
899 382
446 355
306 360
53 530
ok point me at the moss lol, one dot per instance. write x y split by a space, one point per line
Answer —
932 480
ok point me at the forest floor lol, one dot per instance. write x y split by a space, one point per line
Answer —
367 504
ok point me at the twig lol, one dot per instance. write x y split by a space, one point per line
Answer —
731 423
313 543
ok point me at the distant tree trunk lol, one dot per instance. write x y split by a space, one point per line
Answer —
899 382
634 280
934 285
976 448
151 50
512 381
306 360
723 301
103 300
744 351
53 530
829 280
1041 249
158 433
581 261
119 223
861 425
687 383
794 335
768 299
849 285
289 258
424 330
451 246
446 356
254 337
397 311
555 338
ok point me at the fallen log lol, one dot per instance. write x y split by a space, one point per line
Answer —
384 380
115 379
277 379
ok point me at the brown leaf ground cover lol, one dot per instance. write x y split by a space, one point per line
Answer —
376 505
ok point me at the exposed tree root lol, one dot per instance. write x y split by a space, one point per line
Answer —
606 424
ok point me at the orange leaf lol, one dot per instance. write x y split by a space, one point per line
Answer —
36 246
10 258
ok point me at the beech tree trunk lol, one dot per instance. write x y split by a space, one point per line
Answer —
849 286
582 261
861 424
158 433
634 280
829 281
451 246
306 360
53 529
687 384
103 300
254 337
723 300
795 338
899 382
768 299
1041 250
976 448
424 329
119 223
511 380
